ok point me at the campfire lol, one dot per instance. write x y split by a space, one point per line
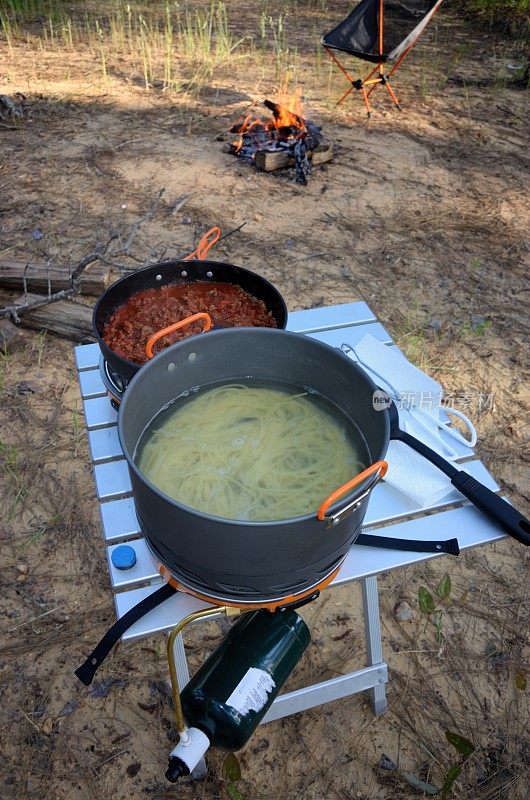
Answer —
287 139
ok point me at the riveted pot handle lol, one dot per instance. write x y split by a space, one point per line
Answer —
202 315
378 469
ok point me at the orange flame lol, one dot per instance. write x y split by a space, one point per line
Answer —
291 111
288 119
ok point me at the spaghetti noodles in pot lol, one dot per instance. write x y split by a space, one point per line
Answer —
251 452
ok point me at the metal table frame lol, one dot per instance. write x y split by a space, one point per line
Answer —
388 507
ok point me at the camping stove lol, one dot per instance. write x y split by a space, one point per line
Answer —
114 383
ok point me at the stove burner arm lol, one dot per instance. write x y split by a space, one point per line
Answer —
175 689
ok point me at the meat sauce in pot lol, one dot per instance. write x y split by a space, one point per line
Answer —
132 324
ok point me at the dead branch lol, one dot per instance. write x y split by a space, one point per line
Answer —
89 259
28 302
234 230
511 113
34 301
11 338
180 202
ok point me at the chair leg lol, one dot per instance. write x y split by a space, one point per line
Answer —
366 94
361 84
344 72
366 101
345 95
389 89
392 95
370 90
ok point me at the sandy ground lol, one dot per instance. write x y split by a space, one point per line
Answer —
424 215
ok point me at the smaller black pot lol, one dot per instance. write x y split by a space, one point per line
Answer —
170 272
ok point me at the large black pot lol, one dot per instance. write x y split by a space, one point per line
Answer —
177 272
249 562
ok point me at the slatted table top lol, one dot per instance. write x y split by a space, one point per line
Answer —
399 514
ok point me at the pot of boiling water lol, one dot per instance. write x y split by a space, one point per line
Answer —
243 448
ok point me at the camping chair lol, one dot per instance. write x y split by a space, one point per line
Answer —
380 32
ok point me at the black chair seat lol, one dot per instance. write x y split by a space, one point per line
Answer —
375 58
358 34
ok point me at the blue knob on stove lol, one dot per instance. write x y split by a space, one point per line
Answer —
123 557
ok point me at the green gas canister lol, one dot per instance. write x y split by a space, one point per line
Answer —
230 693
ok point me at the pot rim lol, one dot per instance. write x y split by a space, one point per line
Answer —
176 263
347 498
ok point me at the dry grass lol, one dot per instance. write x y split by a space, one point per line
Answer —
162 45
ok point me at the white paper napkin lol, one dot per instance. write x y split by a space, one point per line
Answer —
418 398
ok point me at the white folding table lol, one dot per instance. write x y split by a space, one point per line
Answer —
390 511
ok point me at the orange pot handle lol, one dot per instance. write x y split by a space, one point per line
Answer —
202 315
379 467
207 242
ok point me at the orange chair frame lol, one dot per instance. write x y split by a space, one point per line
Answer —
361 83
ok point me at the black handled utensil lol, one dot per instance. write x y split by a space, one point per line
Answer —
493 506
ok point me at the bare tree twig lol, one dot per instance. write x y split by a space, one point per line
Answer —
180 202
89 259
234 230
511 113
14 311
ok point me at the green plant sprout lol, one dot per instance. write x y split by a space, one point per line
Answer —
231 774
433 609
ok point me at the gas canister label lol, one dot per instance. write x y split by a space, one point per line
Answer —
252 691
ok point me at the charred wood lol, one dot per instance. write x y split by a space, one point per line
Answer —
274 145
276 109
270 160
301 162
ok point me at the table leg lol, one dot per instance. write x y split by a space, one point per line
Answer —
183 676
374 648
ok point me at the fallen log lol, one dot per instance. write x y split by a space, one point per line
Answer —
41 277
270 160
11 338
65 317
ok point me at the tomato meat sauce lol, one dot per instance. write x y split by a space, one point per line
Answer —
133 323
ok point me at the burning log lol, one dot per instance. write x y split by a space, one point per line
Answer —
285 119
287 135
